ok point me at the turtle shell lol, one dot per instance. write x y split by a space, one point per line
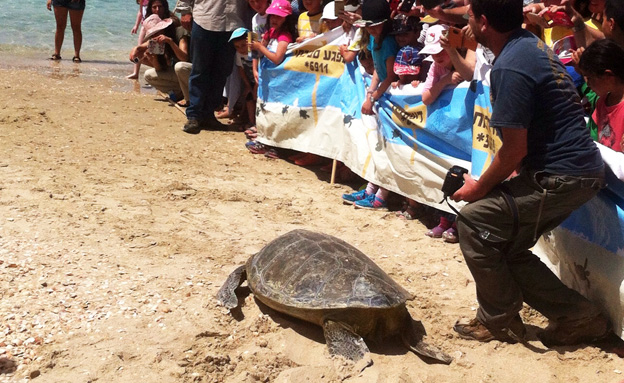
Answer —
308 270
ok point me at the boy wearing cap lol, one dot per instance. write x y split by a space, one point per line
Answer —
408 60
329 19
244 63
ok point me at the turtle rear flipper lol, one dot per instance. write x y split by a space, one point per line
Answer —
413 340
341 340
227 293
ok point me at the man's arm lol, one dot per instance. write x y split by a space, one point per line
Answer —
506 160
185 9
184 6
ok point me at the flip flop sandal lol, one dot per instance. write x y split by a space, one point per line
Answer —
183 104
272 153
55 57
256 147
77 60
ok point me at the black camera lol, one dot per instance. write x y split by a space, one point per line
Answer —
454 180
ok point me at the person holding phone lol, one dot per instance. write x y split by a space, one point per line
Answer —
165 49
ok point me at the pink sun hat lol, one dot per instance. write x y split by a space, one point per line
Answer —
279 8
154 25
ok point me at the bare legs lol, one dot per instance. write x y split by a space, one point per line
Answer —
60 14
75 18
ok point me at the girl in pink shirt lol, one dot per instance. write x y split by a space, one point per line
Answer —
275 41
602 65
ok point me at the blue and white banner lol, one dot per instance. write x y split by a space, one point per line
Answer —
312 101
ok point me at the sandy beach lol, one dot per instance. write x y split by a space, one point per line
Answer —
117 229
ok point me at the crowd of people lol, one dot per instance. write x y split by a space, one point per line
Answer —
557 80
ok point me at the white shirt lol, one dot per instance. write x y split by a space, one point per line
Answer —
214 15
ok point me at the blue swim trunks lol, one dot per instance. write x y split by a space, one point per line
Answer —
77 5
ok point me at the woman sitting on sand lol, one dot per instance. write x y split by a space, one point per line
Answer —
75 9
165 49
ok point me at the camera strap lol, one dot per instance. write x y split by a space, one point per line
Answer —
485 234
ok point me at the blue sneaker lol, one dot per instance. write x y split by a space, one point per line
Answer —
371 202
349 199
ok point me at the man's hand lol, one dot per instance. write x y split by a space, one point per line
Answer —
470 192
187 21
349 17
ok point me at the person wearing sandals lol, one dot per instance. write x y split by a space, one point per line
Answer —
75 10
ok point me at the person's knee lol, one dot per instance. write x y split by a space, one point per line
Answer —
182 69
150 76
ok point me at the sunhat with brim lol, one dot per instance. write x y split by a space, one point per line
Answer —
432 40
280 8
368 23
374 12
238 32
154 25
428 19
407 61
329 12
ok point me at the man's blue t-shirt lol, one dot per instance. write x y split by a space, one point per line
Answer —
531 89
389 48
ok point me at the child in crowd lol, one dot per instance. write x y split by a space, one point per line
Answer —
365 58
275 41
375 18
273 46
357 38
407 63
244 64
440 75
602 65
137 24
330 20
407 67
309 23
259 25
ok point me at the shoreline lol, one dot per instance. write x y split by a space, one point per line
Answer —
92 68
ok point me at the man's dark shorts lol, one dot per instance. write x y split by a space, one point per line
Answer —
76 5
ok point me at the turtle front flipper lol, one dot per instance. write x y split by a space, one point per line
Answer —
341 340
413 340
227 293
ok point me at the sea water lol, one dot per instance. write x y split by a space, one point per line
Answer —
27 37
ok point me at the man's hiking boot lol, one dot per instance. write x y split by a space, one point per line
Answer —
192 126
475 330
571 332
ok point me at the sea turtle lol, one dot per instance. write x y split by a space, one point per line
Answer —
323 280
